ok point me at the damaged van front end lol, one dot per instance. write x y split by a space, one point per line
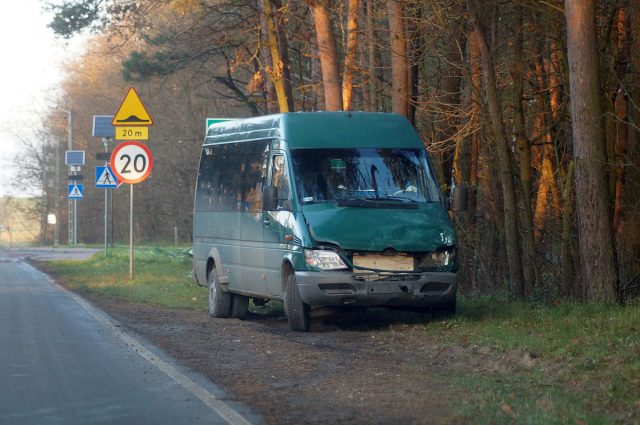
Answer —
379 257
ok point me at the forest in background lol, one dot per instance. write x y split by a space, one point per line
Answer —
532 104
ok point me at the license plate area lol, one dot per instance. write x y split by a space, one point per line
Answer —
395 263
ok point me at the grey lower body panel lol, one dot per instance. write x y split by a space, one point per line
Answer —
369 290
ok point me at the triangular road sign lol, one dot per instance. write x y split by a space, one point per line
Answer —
105 178
76 191
132 112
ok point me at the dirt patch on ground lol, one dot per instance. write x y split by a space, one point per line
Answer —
353 368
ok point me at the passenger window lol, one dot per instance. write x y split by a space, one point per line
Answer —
231 177
280 177
256 172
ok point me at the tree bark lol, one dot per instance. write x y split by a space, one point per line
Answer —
277 69
621 127
512 242
283 48
328 55
524 156
399 63
372 74
594 226
544 123
634 113
350 55
566 258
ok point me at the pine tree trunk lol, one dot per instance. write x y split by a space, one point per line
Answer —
277 63
621 126
594 226
328 55
350 55
372 104
399 63
511 231
283 48
524 156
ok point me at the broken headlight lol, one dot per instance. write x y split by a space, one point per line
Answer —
324 260
437 259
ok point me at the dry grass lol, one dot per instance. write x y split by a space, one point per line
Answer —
19 224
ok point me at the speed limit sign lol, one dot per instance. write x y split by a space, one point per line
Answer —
131 162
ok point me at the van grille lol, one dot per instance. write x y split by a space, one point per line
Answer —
389 277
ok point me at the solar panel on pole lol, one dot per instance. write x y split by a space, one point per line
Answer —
102 126
74 158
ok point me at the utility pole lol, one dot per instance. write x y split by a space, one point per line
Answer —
72 203
56 200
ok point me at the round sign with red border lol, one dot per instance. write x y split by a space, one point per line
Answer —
131 162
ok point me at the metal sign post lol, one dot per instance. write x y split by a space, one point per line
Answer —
103 128
105 140
75 159
131 161
131 231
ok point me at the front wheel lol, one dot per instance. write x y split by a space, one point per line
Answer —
239 306
219 300
296 309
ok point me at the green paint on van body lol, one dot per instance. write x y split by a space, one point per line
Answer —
358 207
376 229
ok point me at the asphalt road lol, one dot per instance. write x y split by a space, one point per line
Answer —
62 361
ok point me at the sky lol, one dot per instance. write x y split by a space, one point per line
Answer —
32 67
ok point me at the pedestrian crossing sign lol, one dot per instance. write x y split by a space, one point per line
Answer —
76 191
105 179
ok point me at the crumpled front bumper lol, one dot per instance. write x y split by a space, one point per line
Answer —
376 289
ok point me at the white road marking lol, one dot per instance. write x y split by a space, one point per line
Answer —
223 409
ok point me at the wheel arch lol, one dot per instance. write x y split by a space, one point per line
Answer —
214 261
286 269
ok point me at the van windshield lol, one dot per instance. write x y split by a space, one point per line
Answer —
365 177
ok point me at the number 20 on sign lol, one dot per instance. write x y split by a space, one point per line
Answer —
131 162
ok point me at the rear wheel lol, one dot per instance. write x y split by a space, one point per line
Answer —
296 309
239 306
219 300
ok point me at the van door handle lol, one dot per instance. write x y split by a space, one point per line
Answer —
266 222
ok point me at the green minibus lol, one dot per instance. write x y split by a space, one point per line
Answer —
321 209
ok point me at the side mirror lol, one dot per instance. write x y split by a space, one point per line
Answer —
270 198
459 198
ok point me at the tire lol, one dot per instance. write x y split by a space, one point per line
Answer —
296 309
239 306
219 300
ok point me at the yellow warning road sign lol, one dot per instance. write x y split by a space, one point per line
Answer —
132 112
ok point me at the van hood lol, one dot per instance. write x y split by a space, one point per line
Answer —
426 228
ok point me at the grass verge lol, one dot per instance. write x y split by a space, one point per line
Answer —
546 364
523 363
162 276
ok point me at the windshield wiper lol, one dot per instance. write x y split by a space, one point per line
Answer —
397 198
398 203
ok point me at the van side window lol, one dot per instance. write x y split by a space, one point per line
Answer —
255 173
231 177
280 177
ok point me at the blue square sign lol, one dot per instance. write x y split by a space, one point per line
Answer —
105 179
76 191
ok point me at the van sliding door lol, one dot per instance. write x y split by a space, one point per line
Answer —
277 224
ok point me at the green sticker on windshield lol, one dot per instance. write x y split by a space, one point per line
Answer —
338 164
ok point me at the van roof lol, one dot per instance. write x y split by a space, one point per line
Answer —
320 129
